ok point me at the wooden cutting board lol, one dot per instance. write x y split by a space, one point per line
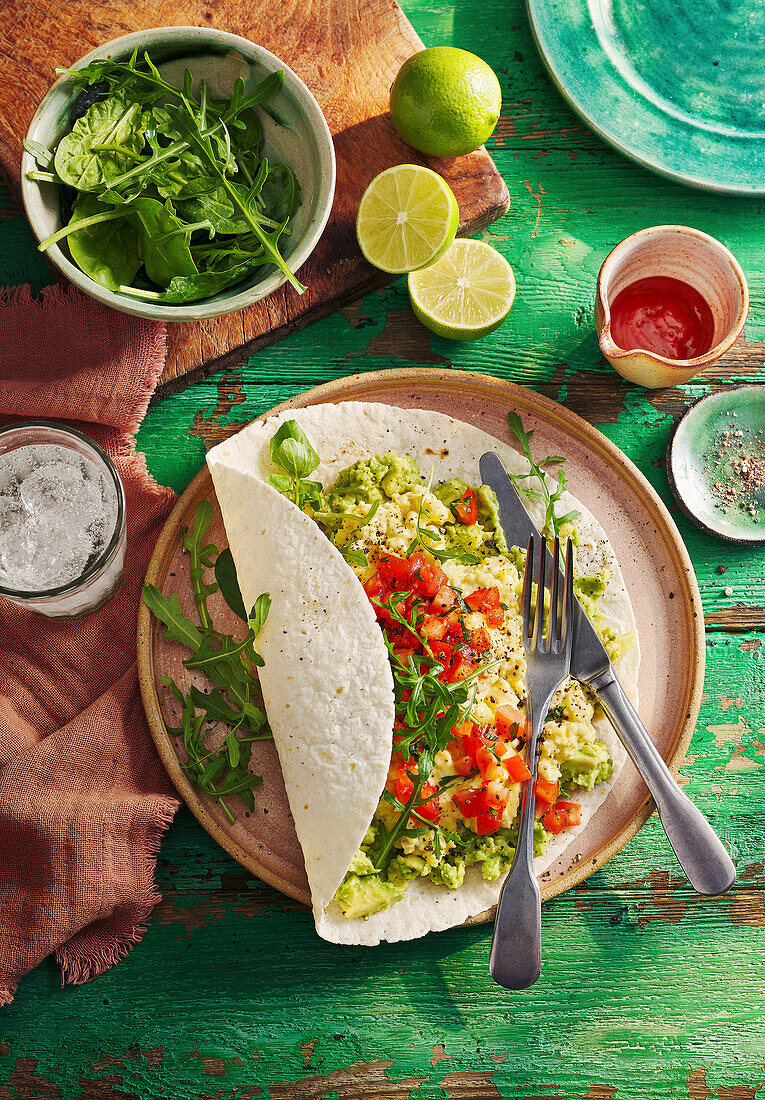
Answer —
348 53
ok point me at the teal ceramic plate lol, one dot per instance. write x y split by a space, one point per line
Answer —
716 464
676 86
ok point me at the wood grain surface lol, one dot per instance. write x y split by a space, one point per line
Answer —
347 52
648 992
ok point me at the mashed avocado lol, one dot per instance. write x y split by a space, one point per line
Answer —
373 479
590 764
365 891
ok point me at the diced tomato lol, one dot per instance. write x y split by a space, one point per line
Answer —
404 786
430 808
545 791
563 815
487 601
483 599
464 729
466 508
396 572
480 640
488 822
516 768
428 576
570 812
470 803
434 628
510 722
488 765
374 587
497 796
443 599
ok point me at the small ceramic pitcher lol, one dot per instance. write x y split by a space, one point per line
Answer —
693 257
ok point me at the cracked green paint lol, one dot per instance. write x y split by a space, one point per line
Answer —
647 991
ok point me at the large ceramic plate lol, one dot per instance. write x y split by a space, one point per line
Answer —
676 86
654 561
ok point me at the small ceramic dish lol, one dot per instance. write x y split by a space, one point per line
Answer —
716 464
295 132
693 257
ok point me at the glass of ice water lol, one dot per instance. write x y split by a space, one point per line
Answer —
62 520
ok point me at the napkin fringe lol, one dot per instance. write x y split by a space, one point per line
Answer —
79 965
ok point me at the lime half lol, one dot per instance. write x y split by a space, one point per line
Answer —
466 294
408 217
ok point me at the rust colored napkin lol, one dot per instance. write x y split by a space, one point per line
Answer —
83 796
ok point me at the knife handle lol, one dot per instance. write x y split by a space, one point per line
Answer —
700 852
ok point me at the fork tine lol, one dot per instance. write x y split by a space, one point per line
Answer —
526 594
554 625
539 613
567 622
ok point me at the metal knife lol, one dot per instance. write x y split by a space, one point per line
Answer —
700 852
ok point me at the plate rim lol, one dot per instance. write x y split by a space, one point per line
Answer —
531 401
686 178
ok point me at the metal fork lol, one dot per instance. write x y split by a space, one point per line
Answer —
516 949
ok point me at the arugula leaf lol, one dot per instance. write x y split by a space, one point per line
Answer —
354 557
168 610
553 523
229 664
427 540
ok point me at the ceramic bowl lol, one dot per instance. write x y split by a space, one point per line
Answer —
706 446
693 257
295 131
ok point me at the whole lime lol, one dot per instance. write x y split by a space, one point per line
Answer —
445 101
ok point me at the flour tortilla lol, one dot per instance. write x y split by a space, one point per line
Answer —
326 682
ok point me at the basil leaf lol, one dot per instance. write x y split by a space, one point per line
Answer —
292 452
259 613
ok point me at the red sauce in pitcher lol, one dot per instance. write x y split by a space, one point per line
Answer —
662 315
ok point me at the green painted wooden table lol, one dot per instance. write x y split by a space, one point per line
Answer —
647 990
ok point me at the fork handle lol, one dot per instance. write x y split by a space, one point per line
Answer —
700 852
515 961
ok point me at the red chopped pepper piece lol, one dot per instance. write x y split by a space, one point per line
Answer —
466 508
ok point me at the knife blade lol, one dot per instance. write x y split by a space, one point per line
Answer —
699 850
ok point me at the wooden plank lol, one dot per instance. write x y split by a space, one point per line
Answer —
347 51
648 992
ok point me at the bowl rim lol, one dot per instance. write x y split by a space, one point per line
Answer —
682 502
124 45
725 256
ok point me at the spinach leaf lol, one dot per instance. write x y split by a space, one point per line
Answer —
107 251
192 288
280 194
164 240
101 144
225 575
